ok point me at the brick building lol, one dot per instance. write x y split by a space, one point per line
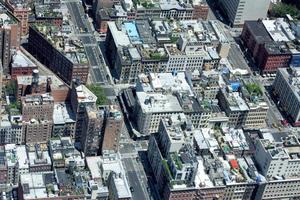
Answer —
21 10
64 62
9 37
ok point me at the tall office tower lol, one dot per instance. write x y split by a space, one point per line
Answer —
239 11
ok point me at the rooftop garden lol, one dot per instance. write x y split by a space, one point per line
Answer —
254 89
177 161
166 166
173 39
145 3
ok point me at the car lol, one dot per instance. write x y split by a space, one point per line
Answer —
131 189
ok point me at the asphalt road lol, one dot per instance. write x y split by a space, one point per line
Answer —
133 175
98 71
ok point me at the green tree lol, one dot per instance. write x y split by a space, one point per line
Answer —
11 88
282 9
99 92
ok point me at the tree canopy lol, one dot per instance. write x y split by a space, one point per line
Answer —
282 9
99 92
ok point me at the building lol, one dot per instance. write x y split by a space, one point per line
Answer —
285 87
244 104
45 186
128 10
81 97
38 158
21 65
9 37
63 152
205 84
92 130
110 174
37 131
45 12
21 10
118 188
3 168
36 83
11 131
160 46
63 120
39 107
174 163
238 11
160 95
271 43
277 159
273 56
68 61
113 128
17 162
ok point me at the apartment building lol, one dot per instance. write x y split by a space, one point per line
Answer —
20 9
39 107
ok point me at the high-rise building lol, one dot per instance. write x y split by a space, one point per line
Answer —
93 125
64 120
9 37
37 131
173 159
81 97
11 131
239 11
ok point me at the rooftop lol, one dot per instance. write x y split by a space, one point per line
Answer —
279 30
84 95
63 114
164 82
20 60
156 103
68 44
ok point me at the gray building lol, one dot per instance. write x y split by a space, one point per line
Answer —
286 87
240 10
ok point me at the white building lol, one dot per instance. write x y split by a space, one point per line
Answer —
278 159
286 86
17 162
152 107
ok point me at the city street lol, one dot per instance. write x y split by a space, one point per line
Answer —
99 72
133 166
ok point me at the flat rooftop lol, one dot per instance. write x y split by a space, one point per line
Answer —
20 60
63 114
157 103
